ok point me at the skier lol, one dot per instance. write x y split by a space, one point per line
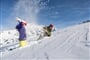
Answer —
22 32
47 30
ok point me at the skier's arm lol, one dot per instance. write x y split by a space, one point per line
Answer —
53 29
19 26
45 29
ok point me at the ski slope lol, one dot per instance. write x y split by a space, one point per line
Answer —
72 43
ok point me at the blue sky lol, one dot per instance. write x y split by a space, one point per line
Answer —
61 13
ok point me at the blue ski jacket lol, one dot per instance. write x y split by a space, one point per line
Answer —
22 32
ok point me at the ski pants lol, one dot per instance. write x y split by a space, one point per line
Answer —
23 43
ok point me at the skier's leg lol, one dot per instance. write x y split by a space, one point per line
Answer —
23 43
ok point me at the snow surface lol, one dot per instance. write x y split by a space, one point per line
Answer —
72 43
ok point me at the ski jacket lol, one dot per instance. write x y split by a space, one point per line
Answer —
47 30
22 32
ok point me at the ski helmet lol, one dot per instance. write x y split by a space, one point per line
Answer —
51 25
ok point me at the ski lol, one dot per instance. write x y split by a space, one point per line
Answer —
13 48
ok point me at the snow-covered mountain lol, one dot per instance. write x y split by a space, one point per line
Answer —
67 44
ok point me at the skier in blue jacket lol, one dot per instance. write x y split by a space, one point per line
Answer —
22 32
